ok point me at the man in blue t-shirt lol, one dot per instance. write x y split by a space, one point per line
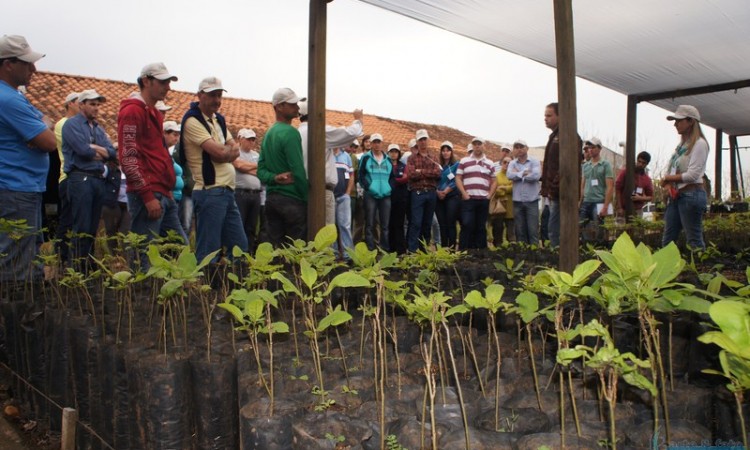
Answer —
26 138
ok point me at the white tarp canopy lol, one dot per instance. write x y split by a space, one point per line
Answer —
634 47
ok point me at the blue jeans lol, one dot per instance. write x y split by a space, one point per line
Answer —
64 222
248 204
286 218
686 212
381 207
185 213
589 219
344 224
86 195
553 225
526 218
448 211
141 224
474 213
218 222
420 218
17 256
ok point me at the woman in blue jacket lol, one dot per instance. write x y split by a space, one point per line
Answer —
448 206
375 171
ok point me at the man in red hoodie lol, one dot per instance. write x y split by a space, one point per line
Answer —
144 158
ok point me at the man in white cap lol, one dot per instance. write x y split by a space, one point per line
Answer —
64 212
249 189
597 190
144 158
477 182
282 170
525 173
210 151
335 137
423 173
26 139
86 147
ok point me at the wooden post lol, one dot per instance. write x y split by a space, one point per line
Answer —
734 185
570 165
630 133
734 171
717 163
69 420
316 91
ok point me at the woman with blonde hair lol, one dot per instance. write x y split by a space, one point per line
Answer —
684 181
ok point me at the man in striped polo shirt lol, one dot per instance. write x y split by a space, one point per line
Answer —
475 179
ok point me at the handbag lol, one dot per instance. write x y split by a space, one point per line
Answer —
497 207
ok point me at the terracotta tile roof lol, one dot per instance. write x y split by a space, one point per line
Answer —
48 90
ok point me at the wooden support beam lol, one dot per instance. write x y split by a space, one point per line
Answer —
316 92
569 145
717 164
630 133
734 186
734 169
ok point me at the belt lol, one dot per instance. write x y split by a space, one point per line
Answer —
89 173
691 187
250 191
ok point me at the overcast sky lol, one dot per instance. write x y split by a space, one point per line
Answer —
387 64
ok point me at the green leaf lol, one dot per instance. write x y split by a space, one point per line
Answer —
122 277
567 355
325 237
458 309
695 304
170 288
669 265
634 378
528 306
734 320
334 319
235 311
583 271
475 300
287 285
347 279
307 273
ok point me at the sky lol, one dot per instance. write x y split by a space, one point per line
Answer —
387 64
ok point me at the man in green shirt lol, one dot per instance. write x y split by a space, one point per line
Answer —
282 170
597 189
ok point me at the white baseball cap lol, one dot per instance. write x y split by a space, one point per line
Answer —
477 139
447 144
90 94
15 46
246 133
161 106
355 143
394 147
73 96
302 103
210 84
157 70
520 142
506 147
593 141
284 95
422 134
171 125
685 111
376 137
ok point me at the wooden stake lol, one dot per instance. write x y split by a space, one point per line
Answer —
69 419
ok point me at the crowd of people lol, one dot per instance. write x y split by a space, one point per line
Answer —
161 176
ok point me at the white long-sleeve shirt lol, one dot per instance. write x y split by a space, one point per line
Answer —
335 137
